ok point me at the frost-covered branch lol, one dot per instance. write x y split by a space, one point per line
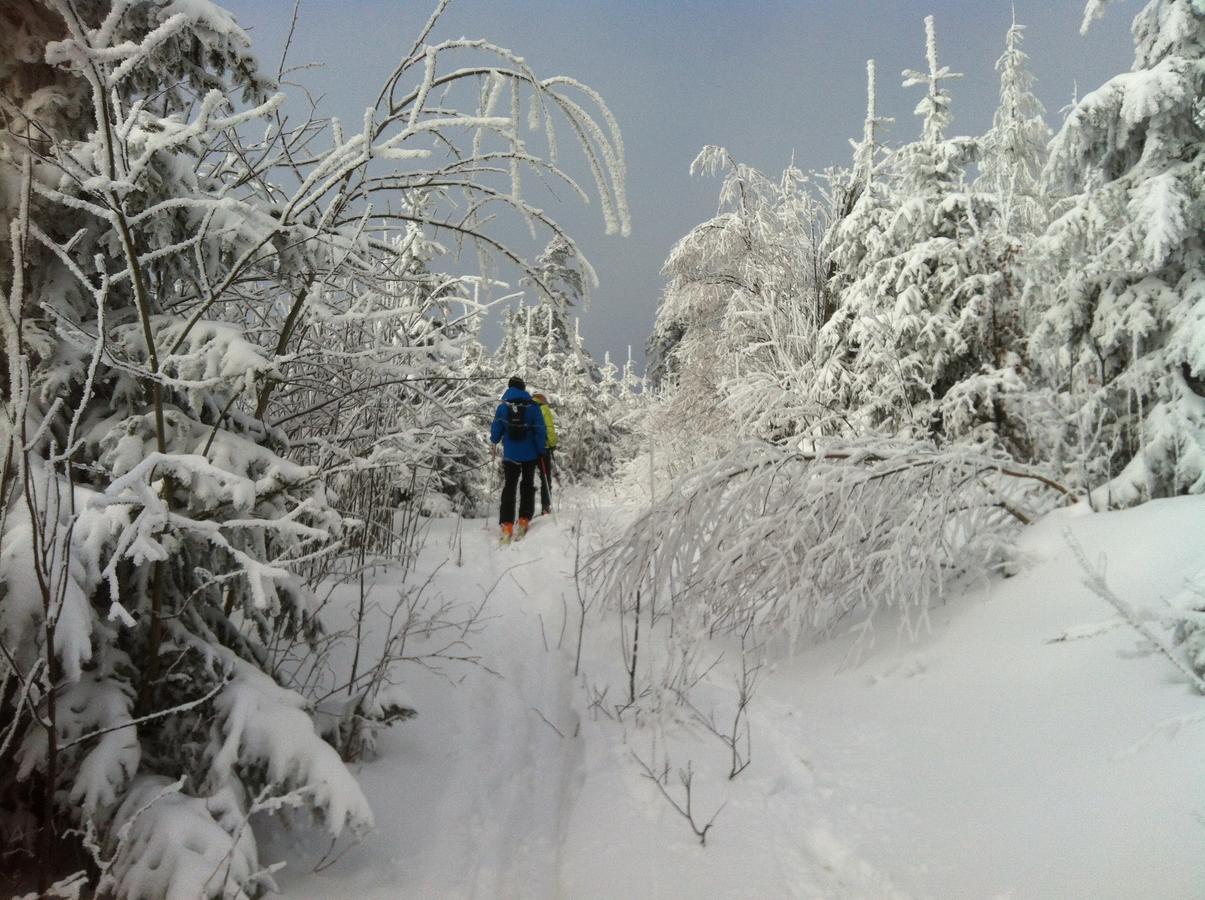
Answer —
808 541
1094 579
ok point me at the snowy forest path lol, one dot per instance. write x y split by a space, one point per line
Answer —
525 720
506 786
920 770
480 806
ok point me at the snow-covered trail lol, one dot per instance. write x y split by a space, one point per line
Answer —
507 775
472 797
981 760
513 757
506 786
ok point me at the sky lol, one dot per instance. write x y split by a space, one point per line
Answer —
767 79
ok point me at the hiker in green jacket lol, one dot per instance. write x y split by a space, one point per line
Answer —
545 461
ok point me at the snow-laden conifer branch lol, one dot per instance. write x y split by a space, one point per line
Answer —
1120 265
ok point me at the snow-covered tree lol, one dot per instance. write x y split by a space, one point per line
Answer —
924 340
1123 328
739 315
540 344
863 206
1013 153
1016 209
771 331
551 357
562 279
382 360
155 542
705 269
589 428
804 542
541 340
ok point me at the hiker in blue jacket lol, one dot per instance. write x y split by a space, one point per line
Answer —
519 425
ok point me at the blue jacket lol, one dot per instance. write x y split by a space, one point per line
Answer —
532 445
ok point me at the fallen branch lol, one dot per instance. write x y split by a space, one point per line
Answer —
1095 582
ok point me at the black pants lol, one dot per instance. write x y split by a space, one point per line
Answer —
511 472
545 463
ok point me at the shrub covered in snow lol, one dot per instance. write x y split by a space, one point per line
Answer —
801 543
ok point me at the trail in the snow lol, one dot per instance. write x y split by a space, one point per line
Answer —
979 760
472 796
507 786
524 720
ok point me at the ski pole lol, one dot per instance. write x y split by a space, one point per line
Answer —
493 478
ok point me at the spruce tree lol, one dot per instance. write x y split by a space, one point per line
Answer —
1014 152
539 345
1003 404
1123 326
916 320
864 200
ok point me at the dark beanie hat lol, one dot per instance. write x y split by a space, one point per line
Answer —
516 382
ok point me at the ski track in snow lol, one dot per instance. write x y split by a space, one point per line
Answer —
472 797
521 796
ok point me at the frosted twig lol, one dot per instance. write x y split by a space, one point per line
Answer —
1095 581
684 808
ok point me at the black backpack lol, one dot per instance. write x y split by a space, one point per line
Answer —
517 426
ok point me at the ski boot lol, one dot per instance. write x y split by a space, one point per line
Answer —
521 530
508 530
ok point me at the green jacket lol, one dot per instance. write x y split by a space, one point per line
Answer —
548 425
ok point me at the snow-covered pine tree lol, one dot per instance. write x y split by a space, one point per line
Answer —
152 526
609 378
863 207
923 319
631 411
537 339
512 356
479 377
1014 151
587 432
1123 330
562 279
1003 405
539 344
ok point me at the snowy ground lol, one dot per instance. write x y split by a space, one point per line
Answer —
984 760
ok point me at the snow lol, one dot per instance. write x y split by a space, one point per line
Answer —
1027 745
197 476
264 725
176 850
998 760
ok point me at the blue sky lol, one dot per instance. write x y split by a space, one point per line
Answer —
764 78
